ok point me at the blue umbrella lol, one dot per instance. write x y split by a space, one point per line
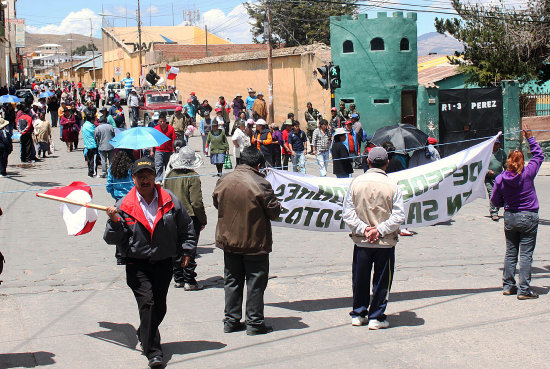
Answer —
46 94
139 138
9 99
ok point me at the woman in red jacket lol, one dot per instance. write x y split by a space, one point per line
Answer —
70 129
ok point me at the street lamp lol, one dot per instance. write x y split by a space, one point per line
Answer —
138 19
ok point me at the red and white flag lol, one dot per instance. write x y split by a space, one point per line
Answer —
78 219
171 72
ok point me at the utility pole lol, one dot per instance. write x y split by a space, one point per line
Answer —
139 40
271 113
206 38
173 24
93 51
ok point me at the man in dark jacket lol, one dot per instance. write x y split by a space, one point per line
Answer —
150 227
341 165
244 234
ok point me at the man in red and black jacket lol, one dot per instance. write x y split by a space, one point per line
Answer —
162 153
150 227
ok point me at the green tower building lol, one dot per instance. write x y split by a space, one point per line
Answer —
378 66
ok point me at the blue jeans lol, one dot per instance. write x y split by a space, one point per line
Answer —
489 184
383 260
135 115
520 230
299 158
161 161
343 175
322 162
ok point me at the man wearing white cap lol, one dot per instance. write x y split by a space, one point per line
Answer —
373 211
262 139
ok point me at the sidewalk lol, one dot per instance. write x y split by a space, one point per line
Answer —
65 304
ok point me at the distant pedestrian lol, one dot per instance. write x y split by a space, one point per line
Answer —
119 177
246 206
373 211
497 165
297 143
6 147
238 106
286 152
321 142
204 128
312 120
128 84
103 135
262 139
515 190
250 102
276 145
133 104
217 147
425 155
240 140
162 153
90 145
341 162
259 108
53 107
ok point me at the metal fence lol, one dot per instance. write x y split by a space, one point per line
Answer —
534 105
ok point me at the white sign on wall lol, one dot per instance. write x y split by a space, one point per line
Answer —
118 71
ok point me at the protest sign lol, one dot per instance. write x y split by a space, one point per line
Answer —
432 193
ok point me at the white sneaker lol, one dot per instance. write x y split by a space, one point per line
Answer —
376 324
358 321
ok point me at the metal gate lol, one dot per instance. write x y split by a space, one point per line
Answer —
467 114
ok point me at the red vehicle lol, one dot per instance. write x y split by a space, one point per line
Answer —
153 101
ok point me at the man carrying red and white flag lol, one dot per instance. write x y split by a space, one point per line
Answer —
171 72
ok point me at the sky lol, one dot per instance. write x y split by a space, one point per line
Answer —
225 18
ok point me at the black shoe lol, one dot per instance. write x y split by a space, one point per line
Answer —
528 296
233 327
156 361
510 291
261 329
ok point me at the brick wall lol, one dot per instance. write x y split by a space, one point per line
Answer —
188 52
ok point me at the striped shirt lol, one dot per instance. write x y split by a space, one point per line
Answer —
320 140
128 83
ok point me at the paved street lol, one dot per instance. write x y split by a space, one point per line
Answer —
64 302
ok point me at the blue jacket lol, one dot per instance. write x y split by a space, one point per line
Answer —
88 130
118 188
190 109
346 143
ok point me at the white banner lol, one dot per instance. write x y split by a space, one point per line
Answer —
432 193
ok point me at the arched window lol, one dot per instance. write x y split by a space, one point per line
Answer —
404 45
377 44
348 46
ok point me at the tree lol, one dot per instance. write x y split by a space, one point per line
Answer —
297 22
81 50
500 42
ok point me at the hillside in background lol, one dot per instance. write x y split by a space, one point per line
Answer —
32 40
434 42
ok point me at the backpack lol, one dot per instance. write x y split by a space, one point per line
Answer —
22 124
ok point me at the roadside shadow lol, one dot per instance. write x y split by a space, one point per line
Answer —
540 290
201 250
26 359
346 302
285 323
405 319
120 334
188 347
544 222
446 223
534 270
45 184
213 282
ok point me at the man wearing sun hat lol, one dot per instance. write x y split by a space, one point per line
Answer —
373 211
185 183
259 108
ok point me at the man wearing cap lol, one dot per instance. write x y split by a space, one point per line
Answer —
262 139
177 121
259 108
249 102
312 119
335 120
103 134
162 153
150 227
343 113
185 183
373 211
425 155
133 103
353 110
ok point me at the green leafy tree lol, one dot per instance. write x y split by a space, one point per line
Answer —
81 50
500 42
297 22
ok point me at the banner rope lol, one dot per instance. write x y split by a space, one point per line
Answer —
281 167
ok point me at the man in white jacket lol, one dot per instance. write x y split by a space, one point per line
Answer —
373 210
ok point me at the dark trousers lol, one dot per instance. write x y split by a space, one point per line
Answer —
187 274
363 260
276 159
268 158
135 115
254 270
26 148
54 116
286 159
3 162
520 229
150 283
93 162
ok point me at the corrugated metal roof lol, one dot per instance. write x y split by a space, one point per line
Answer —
98 62
433 68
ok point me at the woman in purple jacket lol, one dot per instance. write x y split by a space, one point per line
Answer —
515 190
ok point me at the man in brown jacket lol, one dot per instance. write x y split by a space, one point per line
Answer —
244 234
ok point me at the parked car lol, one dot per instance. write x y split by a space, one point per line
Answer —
119 89
26 95
153 101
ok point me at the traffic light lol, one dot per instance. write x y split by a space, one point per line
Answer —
324 80
334 75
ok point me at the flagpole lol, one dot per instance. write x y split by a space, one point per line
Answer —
73 202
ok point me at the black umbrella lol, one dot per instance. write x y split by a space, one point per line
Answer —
402 136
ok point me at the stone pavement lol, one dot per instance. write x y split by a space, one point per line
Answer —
65 304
